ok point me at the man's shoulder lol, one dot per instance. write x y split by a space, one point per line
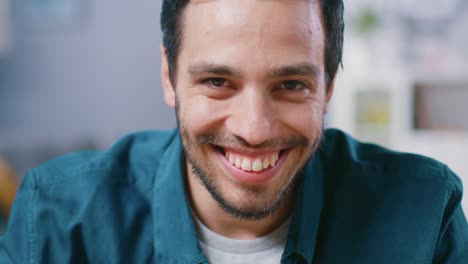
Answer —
381 164
90 200
134 159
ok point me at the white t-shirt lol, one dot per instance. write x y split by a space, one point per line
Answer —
223 250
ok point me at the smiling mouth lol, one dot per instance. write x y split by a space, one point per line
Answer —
251 162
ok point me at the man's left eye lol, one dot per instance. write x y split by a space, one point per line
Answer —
293 85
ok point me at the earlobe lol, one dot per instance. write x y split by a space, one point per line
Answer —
168 89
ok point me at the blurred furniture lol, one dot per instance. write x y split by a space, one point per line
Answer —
8 187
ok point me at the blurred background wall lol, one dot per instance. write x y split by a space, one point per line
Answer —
78 74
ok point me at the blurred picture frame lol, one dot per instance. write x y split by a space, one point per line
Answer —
372 114
440 105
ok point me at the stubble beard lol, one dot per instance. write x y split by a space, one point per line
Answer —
244 211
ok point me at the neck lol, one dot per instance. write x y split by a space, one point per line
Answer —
218 220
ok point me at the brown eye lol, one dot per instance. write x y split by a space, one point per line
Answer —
216 82
293 85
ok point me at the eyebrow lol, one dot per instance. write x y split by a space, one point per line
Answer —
209 68
304 69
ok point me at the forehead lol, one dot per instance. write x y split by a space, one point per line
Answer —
269 30
239 10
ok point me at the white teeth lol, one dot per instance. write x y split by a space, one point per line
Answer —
272 160
246 165
238 162
257 165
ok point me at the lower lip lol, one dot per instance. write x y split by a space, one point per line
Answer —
252 177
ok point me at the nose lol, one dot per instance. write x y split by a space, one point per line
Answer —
251 118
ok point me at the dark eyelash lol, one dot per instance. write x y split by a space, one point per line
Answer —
297 83
210 80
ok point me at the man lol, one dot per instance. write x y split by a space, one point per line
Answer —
249 176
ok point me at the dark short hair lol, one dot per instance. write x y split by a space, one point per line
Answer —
332 11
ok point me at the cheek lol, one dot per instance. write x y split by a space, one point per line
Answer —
304 119
200 114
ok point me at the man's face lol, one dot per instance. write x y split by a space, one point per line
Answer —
250 97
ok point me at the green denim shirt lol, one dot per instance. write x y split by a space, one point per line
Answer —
355 203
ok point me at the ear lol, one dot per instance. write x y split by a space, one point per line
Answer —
329 94
168 89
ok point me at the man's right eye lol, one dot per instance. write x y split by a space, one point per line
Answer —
215 82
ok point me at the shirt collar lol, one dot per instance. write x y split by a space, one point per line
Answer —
304 228
175 238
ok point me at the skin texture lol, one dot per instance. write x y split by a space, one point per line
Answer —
250 79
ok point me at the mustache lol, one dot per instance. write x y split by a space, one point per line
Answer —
236 142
